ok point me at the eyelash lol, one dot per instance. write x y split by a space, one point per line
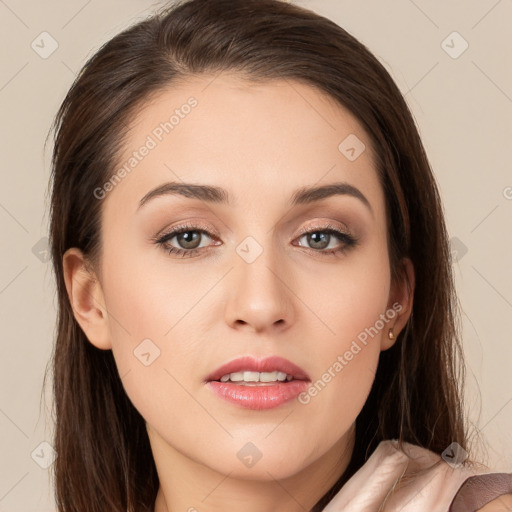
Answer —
349 240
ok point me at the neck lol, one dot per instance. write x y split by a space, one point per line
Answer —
189 486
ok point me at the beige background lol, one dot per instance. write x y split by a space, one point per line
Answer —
463 107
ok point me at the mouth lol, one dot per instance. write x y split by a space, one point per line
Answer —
250 371
258 384
248 378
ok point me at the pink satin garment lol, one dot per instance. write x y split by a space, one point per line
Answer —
417 480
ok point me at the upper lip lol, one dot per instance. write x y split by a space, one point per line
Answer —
267 364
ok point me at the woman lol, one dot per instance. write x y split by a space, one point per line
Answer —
255 294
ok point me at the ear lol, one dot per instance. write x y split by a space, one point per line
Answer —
400 300
86 298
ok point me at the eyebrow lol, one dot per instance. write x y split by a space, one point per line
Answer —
218 195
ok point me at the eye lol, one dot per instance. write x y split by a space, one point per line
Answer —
188 238
320 239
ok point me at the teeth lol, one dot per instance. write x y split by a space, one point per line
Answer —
269 377
251 377
256 377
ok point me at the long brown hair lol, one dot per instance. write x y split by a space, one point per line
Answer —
104 459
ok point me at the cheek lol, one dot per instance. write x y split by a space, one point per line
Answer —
147 297
353 321
154 318
347 298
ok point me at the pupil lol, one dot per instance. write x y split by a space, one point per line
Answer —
318 235
187 241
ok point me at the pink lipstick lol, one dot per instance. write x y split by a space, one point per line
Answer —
258 384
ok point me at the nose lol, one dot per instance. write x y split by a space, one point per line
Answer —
260 297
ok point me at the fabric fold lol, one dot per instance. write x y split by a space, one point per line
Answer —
415 479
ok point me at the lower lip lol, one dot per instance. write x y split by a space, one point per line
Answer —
258 397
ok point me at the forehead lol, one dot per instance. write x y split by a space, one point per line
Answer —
258 140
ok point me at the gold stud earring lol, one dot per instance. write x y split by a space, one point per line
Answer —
391 335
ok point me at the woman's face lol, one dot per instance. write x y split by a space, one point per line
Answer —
245 279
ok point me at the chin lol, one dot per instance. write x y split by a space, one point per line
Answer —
264 465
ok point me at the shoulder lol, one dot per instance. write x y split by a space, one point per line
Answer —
491 492
408 478
501 504
400 477
472 486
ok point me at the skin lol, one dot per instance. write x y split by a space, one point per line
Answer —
261 143
501 504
